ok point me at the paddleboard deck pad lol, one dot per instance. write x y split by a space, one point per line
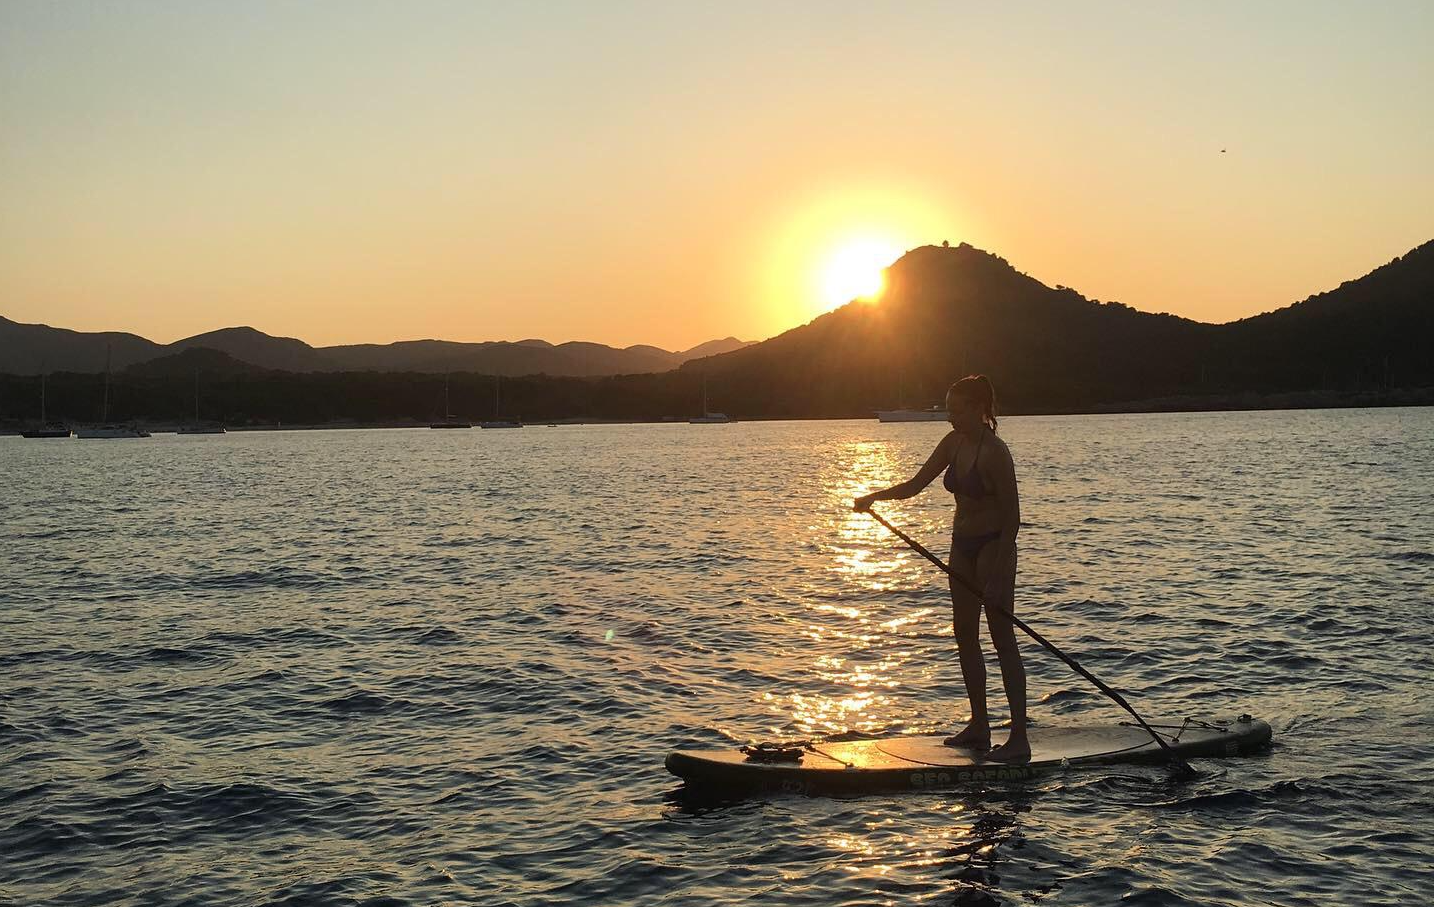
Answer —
917 763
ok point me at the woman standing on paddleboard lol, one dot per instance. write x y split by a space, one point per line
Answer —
980 473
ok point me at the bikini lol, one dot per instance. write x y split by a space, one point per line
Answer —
971 486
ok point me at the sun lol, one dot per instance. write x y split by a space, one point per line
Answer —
831 242
855 269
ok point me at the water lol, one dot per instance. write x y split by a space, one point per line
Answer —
414 667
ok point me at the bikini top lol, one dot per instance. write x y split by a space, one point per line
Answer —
970 485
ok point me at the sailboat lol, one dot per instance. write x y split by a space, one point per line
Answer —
196 427
498 421
449 420
935 413
708 418
106 429
46 429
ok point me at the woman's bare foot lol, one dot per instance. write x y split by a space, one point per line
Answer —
975 736
1015 749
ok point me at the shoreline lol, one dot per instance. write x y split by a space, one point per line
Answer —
1215 403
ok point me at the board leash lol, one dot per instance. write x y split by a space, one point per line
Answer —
1119 700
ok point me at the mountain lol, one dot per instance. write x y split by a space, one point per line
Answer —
1378 329
950 311
28 349
954 311
714 348
524 357
210 363
257 348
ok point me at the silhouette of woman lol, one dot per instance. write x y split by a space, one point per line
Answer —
980 473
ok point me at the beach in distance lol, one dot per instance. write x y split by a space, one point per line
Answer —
417 667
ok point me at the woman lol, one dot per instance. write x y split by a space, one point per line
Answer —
979 472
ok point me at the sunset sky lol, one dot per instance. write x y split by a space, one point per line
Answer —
667 173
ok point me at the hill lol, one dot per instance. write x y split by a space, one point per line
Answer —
29 349
1377 330
257 348
954 311
196 359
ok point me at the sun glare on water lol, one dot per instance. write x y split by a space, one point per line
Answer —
854 270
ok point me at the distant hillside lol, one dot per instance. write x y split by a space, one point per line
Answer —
525 357
257 348
28 349
954 311
1377 330
197 359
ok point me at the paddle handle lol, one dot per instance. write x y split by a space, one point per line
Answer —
1050 646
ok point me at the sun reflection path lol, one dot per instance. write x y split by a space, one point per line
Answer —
863 625
861 552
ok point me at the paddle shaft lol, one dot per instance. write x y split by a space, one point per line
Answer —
1050 646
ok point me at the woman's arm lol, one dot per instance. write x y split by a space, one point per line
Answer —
940 458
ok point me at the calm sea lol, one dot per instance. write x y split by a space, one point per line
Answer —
419 667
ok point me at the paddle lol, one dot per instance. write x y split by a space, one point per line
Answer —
1175 760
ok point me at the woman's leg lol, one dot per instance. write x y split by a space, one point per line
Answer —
966 625
1013 671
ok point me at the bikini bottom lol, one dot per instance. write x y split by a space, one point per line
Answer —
970 545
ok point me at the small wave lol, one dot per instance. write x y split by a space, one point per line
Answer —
10 798
1304 792
439 636
1061 696
244 580
205 805
424 635
12 733
126 746
40 837
299 635
167 655
362 702
1415 556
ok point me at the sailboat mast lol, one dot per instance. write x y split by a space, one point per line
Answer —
105 409
42 399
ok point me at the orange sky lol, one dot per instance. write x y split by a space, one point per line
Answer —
658 173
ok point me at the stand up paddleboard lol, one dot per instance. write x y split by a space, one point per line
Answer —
917 763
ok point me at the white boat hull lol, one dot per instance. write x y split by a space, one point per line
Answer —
97 432
911 415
